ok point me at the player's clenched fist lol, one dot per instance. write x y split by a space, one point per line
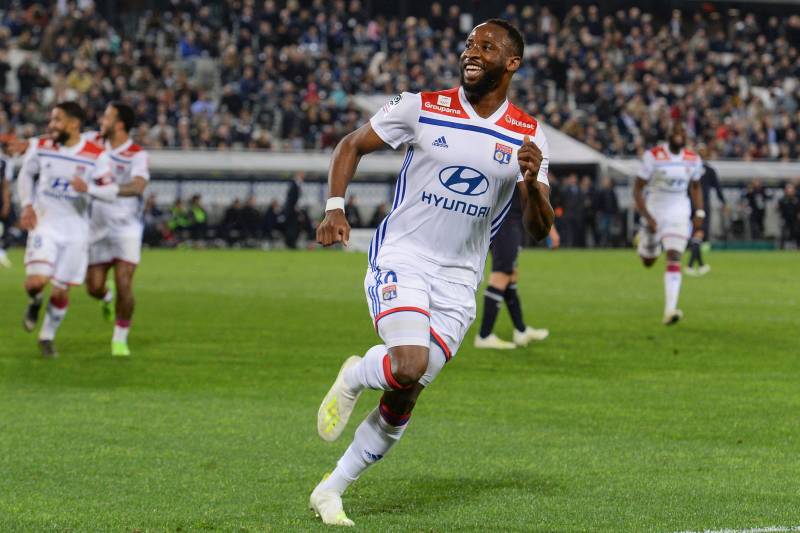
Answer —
79 185
530 159
333 228
27 219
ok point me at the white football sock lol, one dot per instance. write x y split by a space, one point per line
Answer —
373 440
121 329
52 319
108 297
371 371
672 286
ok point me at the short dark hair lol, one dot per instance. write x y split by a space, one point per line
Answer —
125 114
513 33
72 109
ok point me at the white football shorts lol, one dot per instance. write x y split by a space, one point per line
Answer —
673 231
64 260
114 245
424 310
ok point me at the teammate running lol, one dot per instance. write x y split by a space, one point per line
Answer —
667 171
503 286
708 181
56 215
467 149
117 227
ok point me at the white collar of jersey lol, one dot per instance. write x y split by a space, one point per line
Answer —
119 149
72 150
494 117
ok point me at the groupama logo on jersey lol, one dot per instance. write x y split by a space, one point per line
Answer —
464 180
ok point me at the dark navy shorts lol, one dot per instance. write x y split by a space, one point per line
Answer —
506 246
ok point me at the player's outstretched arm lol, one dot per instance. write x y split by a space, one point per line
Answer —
641 205
6 198
25 183
537 212
334 227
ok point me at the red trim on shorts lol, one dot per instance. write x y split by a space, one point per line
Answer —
116 260
441 344
397 310
391 417
68 283
387 373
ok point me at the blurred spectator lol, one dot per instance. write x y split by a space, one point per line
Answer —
789 208
273 221
572 201
178 223
291 216
352 213
155 228
251 219
198 218
756 197
606 208
232 225
378 215
587 191
307 225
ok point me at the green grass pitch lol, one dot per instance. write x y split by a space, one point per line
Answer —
615 423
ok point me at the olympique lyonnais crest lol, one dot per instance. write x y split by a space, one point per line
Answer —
389 292
80 171
502 153
120 169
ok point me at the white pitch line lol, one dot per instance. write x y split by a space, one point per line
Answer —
768 529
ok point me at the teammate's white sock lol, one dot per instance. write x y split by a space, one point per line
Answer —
374 371
373 440
121 329
56 310
108 297
672 286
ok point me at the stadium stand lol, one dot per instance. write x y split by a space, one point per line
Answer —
280 75
289 76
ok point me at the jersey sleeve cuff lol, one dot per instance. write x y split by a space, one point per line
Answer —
382 134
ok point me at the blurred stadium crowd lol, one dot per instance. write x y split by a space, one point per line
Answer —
281 75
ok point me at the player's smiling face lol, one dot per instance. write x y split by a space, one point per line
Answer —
485 58
677 139
59 125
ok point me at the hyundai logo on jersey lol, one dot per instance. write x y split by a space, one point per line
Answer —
464 180
502 153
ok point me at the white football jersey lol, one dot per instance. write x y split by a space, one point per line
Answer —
127 160
59 208
668 176
455 185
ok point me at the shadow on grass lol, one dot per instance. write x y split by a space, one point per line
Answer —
440 493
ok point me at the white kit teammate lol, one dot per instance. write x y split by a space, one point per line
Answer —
116 227
56 215
668 170
467 148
